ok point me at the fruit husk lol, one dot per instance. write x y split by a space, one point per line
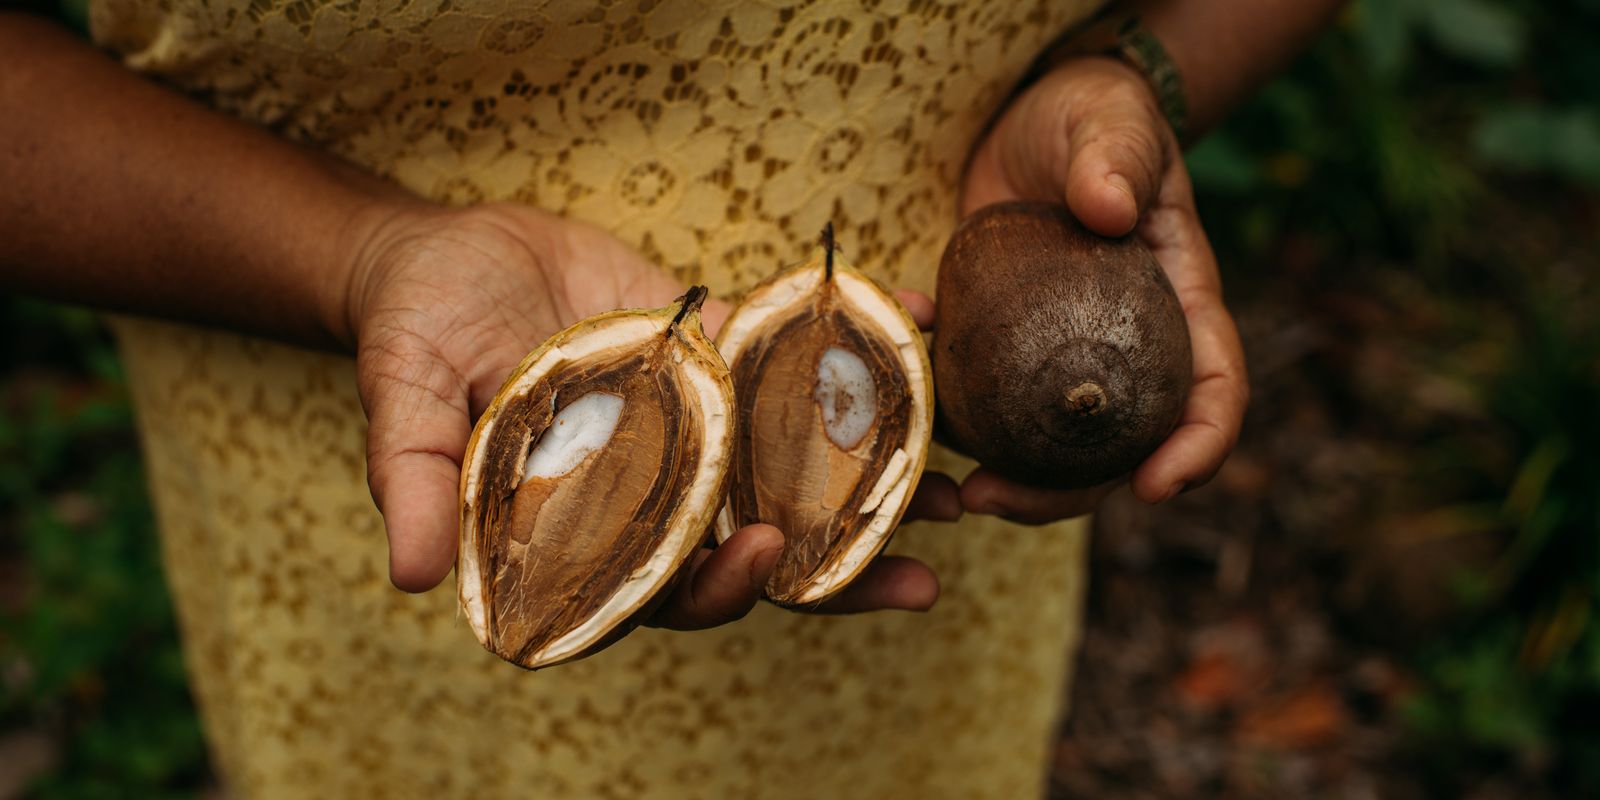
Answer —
679 319
836 573
1061 358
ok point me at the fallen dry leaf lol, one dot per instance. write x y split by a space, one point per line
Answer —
1310 717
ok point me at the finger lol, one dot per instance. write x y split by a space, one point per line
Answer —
1214 411
890 582
937 498
920 306
1119 150
416 437
724 583
1212 414
985 492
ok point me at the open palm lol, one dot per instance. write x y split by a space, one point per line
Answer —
445 303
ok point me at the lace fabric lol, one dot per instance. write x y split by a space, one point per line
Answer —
717 137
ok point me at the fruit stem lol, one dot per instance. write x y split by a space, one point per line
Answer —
692 300
1086 399
827 244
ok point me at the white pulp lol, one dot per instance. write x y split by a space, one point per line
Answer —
584 426
847 395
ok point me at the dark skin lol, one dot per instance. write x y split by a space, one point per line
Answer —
1091 134
130 196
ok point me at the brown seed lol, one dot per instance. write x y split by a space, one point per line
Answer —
590 480
834 403
1061 358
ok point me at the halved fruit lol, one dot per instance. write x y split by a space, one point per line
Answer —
591 480
834 399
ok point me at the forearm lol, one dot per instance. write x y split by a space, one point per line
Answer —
117 193
1225 49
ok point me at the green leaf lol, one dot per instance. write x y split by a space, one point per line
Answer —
1479 31
1517 136
1535 138
1384 27
1527 491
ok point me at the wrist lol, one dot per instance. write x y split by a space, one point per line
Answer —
1123 38
373 228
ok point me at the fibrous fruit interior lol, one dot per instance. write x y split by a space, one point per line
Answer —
590 481
834 417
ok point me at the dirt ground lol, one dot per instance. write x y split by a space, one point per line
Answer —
1244 641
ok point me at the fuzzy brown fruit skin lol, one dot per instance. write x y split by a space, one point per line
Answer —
1061 358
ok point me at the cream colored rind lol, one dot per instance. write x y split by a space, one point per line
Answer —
714 403
893 487
711 403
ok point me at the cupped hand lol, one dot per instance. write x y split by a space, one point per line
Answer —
445 302
1090 134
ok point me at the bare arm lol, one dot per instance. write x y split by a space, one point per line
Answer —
124 195
117 193
1226 49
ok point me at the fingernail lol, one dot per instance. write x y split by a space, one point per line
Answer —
1178 488
762 565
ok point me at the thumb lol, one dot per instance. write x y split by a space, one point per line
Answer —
416 437
725 583
1117 155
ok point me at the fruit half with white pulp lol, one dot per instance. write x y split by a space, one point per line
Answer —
834 397
591 480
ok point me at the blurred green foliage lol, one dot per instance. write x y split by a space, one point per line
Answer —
1396 128
88 650
1518 675
1455 145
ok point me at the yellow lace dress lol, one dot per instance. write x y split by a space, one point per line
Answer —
716 137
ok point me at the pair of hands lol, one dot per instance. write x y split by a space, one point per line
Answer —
445 302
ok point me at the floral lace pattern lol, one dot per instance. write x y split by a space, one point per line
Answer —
717 137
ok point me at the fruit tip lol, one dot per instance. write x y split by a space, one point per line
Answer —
691 301
828 247
1086 399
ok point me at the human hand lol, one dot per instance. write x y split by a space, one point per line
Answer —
1090 133
445 302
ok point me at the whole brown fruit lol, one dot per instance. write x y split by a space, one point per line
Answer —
1061 358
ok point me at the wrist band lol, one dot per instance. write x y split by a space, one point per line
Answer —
1140 48
1124 37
